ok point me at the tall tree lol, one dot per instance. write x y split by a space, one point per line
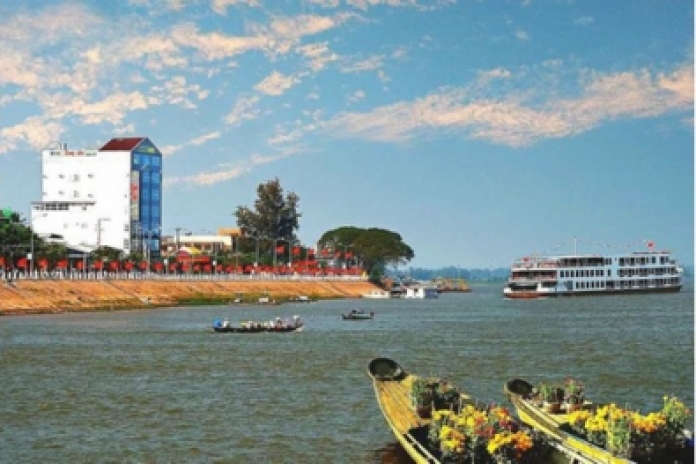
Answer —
374 248
274 215
15 235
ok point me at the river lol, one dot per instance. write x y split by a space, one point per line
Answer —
158 386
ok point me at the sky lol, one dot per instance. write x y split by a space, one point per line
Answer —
481 131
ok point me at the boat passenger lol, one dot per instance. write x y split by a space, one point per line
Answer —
226 323
296 321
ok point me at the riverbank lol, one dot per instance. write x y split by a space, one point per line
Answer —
58 296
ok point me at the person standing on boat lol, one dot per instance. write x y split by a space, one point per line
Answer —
226 323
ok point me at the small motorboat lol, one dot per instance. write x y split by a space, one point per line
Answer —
358 315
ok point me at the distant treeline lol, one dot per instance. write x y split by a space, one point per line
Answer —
499 274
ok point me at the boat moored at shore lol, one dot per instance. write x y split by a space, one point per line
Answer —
593 274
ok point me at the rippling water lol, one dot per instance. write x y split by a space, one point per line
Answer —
157 386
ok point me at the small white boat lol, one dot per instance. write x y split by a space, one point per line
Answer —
377 294
421 291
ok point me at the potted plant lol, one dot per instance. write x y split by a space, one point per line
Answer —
574 394
422 396
549 394
447 396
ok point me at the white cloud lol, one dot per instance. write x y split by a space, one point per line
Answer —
522 34
35 132
276 84
584 20
220 6
169 150
508 121
243 109
223 172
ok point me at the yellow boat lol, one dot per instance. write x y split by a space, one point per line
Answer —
392 386
555 427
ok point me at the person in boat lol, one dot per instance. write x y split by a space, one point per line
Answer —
226 323
278 323
296 321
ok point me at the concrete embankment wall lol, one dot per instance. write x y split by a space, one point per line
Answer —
56 296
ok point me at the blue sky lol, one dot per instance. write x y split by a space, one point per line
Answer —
481 131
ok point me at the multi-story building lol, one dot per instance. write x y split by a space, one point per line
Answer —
107 197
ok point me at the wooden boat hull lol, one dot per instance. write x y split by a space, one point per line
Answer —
257 330
554 426
392 386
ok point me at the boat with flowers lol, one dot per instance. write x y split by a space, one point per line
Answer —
595 433
435 422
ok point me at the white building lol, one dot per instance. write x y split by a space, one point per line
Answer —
107 197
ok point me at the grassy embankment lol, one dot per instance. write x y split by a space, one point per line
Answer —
58 296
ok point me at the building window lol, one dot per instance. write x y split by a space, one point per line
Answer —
126 243
76 178
126 228
76 194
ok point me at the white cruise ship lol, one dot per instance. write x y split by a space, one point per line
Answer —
572 275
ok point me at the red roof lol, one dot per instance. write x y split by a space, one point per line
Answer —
122 144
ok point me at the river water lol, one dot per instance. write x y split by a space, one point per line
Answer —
157 386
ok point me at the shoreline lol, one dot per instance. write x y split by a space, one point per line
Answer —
26 297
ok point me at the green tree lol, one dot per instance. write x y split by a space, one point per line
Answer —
274 215
374 248
105 253
15 236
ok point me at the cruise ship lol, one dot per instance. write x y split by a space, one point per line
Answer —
573 275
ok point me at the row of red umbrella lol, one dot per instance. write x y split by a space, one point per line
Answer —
157 266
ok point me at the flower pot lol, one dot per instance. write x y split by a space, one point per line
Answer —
571 407
424 411
552 408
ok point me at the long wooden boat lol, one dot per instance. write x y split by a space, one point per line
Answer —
258 330
392 386
556 427
258 327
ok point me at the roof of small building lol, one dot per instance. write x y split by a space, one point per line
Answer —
122 144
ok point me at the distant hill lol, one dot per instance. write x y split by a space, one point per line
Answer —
470 275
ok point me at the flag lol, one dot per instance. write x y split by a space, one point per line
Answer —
22 263
650 244
280 249
113 265
43 263
296 251
349 255
63 264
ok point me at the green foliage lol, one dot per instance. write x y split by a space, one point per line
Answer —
274 215
105 253
373 248
15 236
